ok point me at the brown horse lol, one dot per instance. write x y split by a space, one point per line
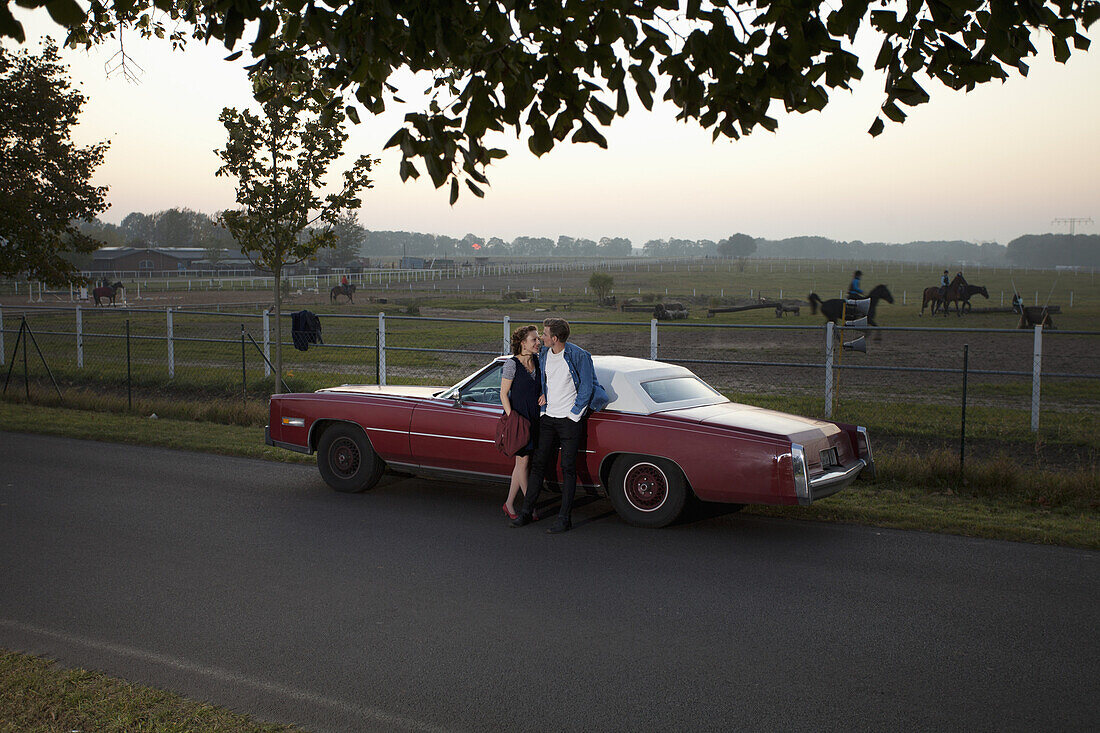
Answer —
955 295
931 295
108 292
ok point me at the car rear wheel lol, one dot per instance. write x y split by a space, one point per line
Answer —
346 459
647 491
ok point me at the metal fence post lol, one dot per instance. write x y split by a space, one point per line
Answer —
507 336
244 370
382 349
653 338
962 429
79 338
171 348
129 374
267 343
1036 371
829 369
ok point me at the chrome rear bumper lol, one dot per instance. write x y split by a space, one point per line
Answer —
831 482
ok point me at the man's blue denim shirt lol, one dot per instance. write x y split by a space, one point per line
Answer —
590 394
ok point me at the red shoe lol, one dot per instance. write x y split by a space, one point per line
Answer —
507 513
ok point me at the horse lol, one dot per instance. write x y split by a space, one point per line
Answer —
971 290
345 290
931 295
834 310
954 295
107 291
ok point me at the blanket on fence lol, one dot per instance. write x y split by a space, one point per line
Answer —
305 329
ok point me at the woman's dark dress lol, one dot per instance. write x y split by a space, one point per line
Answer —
524 396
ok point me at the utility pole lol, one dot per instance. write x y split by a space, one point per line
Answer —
1073 222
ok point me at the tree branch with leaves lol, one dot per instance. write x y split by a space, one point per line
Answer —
561 69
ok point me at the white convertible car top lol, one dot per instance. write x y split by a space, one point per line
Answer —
635 386
626 380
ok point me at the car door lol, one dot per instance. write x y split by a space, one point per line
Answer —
458 432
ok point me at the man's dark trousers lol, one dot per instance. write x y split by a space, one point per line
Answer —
555 431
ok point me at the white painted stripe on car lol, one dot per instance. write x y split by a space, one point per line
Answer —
453 437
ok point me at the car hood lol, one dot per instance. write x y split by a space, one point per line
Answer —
757 419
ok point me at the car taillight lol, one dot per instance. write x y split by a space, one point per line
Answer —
863 448
801 474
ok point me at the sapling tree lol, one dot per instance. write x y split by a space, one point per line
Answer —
280 159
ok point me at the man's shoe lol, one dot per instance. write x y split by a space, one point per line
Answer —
521 521
559 527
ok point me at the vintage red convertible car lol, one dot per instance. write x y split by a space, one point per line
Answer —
664 436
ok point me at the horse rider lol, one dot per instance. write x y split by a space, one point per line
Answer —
344 280
1017 303
945 281
855 292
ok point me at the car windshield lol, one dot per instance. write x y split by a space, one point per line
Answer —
677 389
485 389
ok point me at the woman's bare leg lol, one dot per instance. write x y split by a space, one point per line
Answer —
519 482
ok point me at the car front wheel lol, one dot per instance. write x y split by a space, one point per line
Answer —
346 459
647 491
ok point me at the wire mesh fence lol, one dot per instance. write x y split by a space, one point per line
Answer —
1017 380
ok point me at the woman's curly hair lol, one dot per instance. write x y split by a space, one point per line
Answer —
518 336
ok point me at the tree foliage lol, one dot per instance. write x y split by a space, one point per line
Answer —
601 284
565 68
1050 250
737 245
346 247
45 180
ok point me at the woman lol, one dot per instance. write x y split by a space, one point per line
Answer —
520 388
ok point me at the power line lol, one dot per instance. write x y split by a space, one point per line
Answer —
1073 222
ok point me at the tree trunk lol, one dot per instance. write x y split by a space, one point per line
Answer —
278 330
277 265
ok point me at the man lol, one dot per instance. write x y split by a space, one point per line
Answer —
571 390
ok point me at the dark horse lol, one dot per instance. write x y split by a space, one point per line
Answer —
971 290
345 290
108 292
833 309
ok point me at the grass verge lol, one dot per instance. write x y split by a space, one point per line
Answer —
38 695
909 493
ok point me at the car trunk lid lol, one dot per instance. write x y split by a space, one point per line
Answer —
816 436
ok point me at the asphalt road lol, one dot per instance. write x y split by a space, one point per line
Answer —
251 585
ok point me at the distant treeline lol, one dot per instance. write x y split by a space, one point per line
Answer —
822 248
1049 250
1030 250
187 228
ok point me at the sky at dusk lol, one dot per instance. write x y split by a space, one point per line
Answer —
991 165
